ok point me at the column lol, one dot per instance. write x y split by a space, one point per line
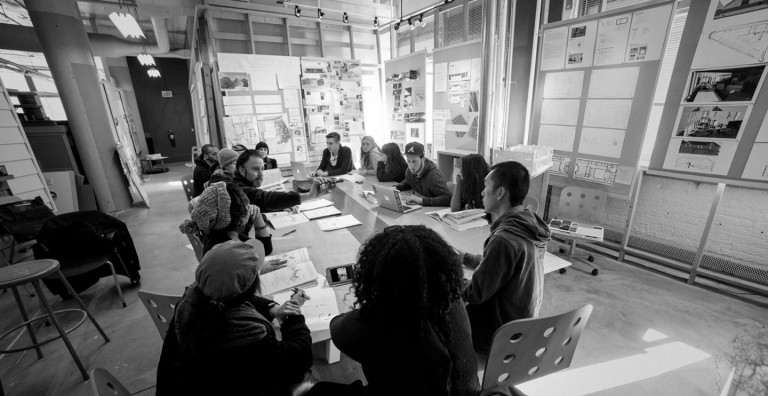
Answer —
66 48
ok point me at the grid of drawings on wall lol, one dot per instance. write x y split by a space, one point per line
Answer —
333 100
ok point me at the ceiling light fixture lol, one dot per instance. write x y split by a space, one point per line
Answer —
411 26
345 18
126 24
376 22
297 11
146 59
154 73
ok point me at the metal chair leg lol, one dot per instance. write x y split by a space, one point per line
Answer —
52 316
117 283
24 316
82 305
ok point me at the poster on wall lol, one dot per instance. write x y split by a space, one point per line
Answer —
602 142
581 44
561 165
229 81
595 171
563 85
414 132
736 84
560 111
277 134
441 77
757 164
647 34
607 113
612 37
711 121
553 45
733 34
559 137
613 83
700 156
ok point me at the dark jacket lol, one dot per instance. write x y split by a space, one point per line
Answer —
270 163
391 171
508 282
430 183
200 175
267 201
344 162
264 366
397 366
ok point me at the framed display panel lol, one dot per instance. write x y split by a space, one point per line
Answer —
405 98
594 94
456 117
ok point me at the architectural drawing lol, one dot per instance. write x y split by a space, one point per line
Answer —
700 164
561 165
726 8
595 171
750 40
700 148
720 122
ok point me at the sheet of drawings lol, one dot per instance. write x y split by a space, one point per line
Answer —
319 309
595 171
735 33
602 142
700 156
563 85
298 270
561 165
757 165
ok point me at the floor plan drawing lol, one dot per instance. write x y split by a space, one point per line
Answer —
595 171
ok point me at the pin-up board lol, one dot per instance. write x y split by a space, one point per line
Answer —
405 92
594 90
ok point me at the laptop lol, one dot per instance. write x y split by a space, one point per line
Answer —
300 171
389 197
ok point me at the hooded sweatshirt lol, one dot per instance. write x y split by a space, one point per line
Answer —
267 201
430 183
508 282
201 175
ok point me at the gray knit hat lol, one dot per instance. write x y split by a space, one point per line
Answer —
211 212
227 157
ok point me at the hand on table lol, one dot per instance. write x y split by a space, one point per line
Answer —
414 200
293 210
272 265
321 173
288 308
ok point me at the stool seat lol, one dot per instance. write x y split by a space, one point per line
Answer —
25 272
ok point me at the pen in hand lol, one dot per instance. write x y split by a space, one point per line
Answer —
289 232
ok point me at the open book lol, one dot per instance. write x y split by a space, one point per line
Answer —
460 221
280 220
272 180
319 309
298 270
352 177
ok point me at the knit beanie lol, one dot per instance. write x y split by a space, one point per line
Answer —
228 270
261 145
227 157
211 212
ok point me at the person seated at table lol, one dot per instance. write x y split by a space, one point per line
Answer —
410 331
204 165
509 280
223 213
423 177
221 340
470 183
248 178
392 166
263 149
226 169
370 155
337 159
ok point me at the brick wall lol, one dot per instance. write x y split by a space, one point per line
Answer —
675 212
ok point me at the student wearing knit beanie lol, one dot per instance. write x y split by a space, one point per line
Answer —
226 169
221 339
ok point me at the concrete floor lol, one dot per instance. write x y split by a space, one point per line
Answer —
648 334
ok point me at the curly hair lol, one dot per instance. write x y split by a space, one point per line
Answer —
410 273
474 169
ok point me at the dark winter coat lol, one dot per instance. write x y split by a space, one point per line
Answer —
200 175
267 201
344 163
430 183
508 282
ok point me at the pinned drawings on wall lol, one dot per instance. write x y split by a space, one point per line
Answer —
602 142
738 84
595 171
563 85
559 137
647 34
711 121
229 81
615 83
561 165
612 36
700 156
757 164
406 96
581 44
553 45
733 35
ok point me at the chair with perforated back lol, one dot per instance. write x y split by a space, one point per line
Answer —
526 349
197 246
103 383
586 207
188 185
160 308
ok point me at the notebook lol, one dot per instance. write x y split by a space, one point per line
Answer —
327 211
284 219
336 223
315 204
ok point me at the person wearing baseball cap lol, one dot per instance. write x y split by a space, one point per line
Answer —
423 177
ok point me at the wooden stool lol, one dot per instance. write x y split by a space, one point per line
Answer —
31 272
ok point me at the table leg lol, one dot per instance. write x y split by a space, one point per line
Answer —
332 354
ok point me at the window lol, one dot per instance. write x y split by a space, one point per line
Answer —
475 27
54 109
403 40
385 45
425 34
13 80
451 26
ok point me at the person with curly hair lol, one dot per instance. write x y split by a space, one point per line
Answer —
410 331
221 340
470 183
392 166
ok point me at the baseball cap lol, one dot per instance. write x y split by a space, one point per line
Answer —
414 148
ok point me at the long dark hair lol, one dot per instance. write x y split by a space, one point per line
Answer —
394 156
410 273
474 169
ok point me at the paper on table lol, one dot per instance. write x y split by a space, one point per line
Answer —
292 257
319 309
553 48
613 83
352 177
320 213
335 223
607 113
291 275
287 220
441 77
315 204
291 98
266 99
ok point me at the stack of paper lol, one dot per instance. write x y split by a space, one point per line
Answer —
319 309
476 220
336 223
315 204
272 180
464 216
327 211
298 270
285 219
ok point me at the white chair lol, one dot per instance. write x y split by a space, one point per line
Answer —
586 207
160 308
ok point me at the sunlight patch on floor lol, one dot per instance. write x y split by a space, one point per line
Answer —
652 335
